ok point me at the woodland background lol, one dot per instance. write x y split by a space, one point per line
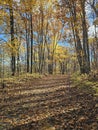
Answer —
48 36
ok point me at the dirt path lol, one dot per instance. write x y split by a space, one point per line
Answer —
47 104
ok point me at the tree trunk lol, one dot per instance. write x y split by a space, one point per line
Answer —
86 57
13 60
31 44
27 43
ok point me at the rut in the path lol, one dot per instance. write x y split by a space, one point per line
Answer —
46 104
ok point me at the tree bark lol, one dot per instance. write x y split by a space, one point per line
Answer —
13 60
31 44
86 56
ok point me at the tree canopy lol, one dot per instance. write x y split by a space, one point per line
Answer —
44 36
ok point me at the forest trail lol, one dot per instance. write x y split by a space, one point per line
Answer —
47 103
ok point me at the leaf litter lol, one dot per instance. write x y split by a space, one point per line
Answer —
48 104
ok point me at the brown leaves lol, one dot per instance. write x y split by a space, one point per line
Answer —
46 104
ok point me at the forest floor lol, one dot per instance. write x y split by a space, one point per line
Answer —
49 103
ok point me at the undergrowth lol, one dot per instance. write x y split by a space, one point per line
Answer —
85 82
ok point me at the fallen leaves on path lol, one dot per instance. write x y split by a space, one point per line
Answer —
47 104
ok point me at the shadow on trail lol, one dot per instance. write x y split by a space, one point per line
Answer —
75 109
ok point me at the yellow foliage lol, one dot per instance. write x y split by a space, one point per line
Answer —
61 53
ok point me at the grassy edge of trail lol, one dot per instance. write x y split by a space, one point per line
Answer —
19 78
88 83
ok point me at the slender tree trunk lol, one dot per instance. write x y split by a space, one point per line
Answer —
42 40
31 44
18 65
13 60
50 68
96 39
27 43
